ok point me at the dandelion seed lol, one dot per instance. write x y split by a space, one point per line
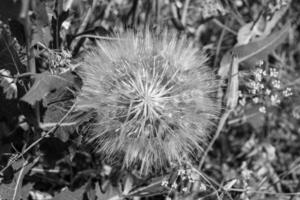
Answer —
153 97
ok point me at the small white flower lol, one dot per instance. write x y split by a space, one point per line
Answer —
242 101
260 63
164 183
276 84
262 109
174 185
287 92
181 172
255 99
185 189
274 72
275 100
268 92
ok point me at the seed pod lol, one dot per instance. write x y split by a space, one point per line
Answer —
153 96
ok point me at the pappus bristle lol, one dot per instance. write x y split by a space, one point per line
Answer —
153 96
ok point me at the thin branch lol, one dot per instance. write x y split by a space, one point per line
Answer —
217 22
219 129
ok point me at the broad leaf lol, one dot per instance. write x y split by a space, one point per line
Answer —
45 83
261 48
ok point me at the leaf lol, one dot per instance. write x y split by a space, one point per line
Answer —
153 188
66 194
253 51
41 29
275 19
8 85
233 86
261 48
45 83
249 31
111 193
13 191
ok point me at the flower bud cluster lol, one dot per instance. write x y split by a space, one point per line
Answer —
265 88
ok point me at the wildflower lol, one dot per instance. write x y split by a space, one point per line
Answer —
164 183
174 185
153 97
268 91
276 84
275 99
274 72
287 92
262 109
255 100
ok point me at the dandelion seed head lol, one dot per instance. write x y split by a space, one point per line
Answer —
153 96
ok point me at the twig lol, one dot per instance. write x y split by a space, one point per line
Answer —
219 129
217 22
53 129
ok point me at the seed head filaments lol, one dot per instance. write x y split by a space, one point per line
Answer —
153 96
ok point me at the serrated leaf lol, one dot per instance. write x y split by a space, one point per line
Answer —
45 83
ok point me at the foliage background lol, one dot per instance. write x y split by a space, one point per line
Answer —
254 49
